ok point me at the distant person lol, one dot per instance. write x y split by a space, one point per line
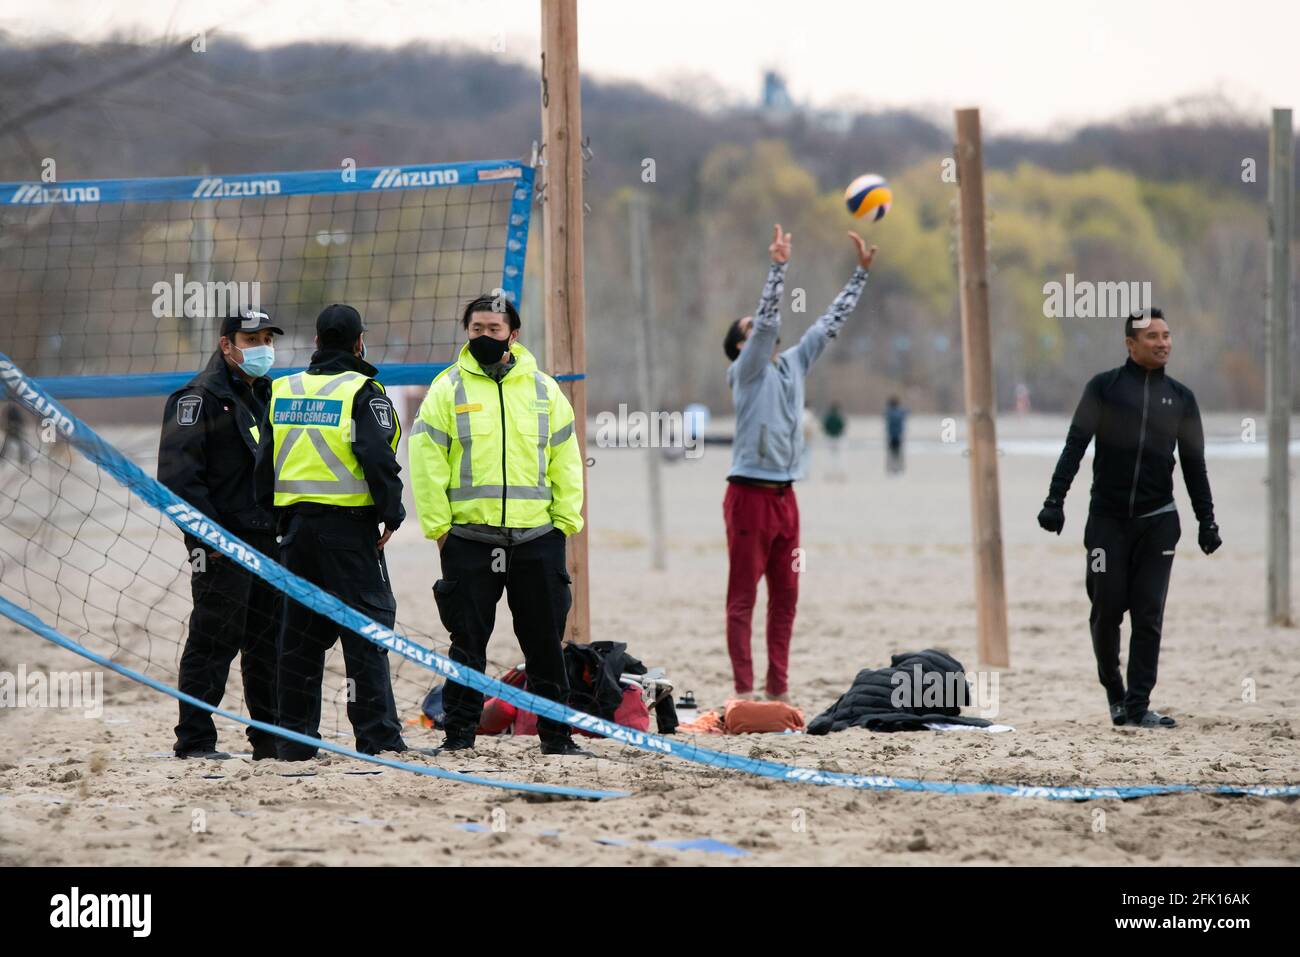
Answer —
15 427
833 425
760 510
895 423
1138 415
1023 405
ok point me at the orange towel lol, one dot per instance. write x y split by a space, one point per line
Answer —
749 717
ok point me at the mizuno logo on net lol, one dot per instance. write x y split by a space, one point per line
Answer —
32 194
393 177
213 186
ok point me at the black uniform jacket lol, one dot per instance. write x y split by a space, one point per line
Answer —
215 450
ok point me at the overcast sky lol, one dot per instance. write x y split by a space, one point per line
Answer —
1032 65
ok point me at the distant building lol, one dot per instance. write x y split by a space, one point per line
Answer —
776 98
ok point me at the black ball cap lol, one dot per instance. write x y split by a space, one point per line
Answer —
248 320
340 324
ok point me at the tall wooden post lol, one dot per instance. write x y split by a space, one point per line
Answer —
986 509
1281 206
643 290
566 342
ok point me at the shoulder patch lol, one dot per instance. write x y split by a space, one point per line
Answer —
382 410
187 409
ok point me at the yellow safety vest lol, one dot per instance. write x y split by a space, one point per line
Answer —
312 425
501 454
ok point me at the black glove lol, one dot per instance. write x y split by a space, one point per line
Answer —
1209 539
1052 517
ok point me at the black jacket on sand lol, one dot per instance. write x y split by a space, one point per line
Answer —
1138 417
870 703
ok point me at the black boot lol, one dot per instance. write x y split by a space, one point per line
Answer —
1118 716
210 754
458 739
1152 719
564 747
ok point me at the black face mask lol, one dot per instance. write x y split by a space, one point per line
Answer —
488 350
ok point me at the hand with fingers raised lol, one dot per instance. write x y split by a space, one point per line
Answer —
865 255
780 248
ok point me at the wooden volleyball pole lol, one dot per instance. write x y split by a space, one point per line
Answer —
977 361
565 316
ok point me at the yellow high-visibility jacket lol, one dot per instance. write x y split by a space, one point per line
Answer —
496 453
312 420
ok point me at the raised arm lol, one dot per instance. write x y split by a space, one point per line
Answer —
827 327
757 351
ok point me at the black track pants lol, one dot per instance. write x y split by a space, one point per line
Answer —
338 553
536 582
1129 561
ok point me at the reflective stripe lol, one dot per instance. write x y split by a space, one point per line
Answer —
495 491
312 487
562 434
463 430
340 380
344 483
424 428
543 429
289 439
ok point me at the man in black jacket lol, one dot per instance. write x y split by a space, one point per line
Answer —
213 454
337 480
1138 415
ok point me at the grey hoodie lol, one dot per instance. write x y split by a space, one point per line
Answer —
769 395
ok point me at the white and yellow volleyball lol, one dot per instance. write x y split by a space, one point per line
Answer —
868 197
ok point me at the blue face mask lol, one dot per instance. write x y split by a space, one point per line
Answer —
258 360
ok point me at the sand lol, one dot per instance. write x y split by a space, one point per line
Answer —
888 569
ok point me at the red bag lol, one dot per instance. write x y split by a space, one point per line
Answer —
499 715
632 713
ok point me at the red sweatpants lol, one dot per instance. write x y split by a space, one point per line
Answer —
762 536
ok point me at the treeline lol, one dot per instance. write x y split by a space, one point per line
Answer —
1159 198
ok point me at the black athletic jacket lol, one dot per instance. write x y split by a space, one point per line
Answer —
1138 417
215 434
372 434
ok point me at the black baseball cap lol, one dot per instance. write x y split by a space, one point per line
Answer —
339 324
248 320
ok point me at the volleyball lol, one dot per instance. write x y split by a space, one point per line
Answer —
868 197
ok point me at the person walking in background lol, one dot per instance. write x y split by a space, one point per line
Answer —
895 423
833 425
1139 415
760 511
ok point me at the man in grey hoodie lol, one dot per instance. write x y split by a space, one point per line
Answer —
760 510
